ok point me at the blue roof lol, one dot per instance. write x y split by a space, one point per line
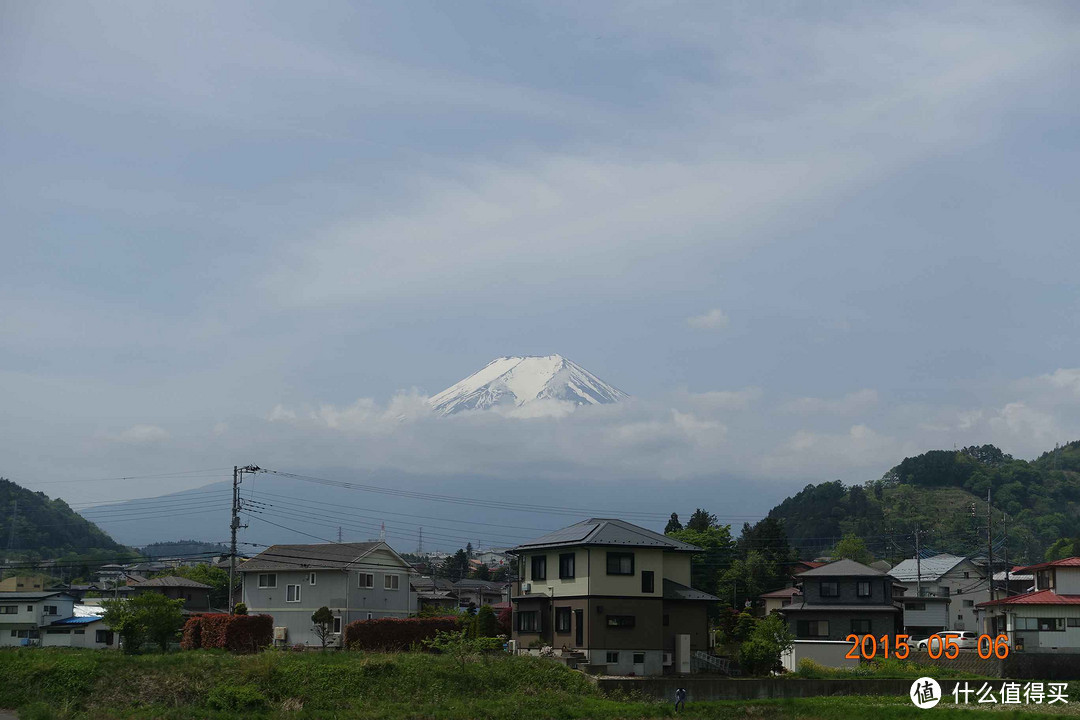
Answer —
77 620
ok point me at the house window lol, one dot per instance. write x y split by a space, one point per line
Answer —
620 621
292 593
311 578
365 580
943 590
862 589
390 582
539 567
1027 623
620 563
81 631
337 624
527 621
268 580
105 637
916 606
29 608
49 609
861 627
967 574
566 566
812 628
612 657
830 589
1051 624
969 603
647 585
639 658
9 609
562 620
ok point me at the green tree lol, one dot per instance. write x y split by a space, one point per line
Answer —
701 520
482 573
719 550
216 578
746 578
854 548
323 624
761 653
673 524
147 616
485 623
456 566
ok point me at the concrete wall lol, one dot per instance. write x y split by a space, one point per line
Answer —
829 653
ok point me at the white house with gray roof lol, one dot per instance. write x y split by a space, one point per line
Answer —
946 576
356 581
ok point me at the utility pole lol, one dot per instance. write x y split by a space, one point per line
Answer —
339 533
234 525
1005 532
420 543
989 545
918 562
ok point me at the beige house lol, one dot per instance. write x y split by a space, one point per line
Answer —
25 583
616 594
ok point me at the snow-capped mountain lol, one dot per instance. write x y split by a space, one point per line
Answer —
517 381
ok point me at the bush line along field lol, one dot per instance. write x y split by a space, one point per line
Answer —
61 684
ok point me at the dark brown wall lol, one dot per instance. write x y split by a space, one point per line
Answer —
686 618
647 633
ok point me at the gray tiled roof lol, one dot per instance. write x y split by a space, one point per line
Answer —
334 556
931 568
606 531
31 596
678 591
169 581
843 568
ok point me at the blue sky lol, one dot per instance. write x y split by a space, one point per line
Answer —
809 239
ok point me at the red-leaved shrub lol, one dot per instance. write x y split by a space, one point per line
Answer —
192 638
249 633
396 633
237 633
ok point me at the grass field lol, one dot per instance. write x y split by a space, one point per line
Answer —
55 683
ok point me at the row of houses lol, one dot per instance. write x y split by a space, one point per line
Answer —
608 594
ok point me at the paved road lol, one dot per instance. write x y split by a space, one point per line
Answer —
8 715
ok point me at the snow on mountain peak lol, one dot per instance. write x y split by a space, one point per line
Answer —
516 381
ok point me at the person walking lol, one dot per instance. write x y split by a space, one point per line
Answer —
680 699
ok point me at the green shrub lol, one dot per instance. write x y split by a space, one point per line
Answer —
236 698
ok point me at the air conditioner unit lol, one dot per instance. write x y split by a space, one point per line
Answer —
669 659
281 633
526 587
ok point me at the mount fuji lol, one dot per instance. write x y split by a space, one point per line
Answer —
518 381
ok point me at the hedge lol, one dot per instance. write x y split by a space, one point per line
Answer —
396 633
237 633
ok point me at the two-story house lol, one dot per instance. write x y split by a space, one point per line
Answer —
23 614
952 577
356 581
617 593
841 598
477 593
196 595
1047 619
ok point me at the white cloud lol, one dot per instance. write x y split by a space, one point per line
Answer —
851 403
715 319
138 434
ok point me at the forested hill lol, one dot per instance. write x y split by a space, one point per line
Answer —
46 528
936 491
